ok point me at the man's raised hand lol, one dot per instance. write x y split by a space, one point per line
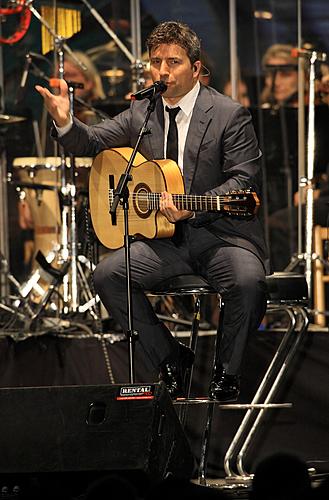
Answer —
58 105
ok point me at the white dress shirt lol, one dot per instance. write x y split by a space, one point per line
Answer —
183 119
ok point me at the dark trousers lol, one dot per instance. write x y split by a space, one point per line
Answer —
237 274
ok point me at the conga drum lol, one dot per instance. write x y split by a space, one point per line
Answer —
40 179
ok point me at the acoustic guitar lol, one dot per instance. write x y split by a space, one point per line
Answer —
150 179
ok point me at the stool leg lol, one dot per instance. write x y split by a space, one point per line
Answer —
256 399
193 344
193 341
205 445
278 366
216 362
275 385
210 410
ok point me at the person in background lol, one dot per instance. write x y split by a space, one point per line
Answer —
243 95
91 93
281 77
92 90
280 97
213 141
281 476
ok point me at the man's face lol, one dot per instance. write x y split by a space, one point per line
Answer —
171 64
286 81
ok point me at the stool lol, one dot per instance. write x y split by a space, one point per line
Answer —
287 292
195 286
320 276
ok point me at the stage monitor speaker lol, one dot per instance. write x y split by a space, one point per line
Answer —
92 428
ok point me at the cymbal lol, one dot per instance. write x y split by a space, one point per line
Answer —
11 119
113 73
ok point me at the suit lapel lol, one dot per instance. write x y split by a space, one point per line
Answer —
156 137
202 115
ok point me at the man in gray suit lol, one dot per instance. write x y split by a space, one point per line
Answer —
213 141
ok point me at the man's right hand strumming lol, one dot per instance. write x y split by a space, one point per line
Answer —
58 106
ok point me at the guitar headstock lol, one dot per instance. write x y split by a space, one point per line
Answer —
242 203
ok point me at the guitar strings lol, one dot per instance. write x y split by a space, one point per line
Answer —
195 202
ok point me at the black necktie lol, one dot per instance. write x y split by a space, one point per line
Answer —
172 137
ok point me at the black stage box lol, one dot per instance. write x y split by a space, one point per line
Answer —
92 428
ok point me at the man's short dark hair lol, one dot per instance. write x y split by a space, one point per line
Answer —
174 32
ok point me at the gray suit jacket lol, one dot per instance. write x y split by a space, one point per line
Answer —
221 154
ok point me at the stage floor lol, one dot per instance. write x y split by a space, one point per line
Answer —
57 360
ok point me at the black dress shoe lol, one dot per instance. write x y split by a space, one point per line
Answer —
224 387
173 371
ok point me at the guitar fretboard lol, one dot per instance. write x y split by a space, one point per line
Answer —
188 202
239 202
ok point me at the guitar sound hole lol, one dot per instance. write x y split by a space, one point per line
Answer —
141 200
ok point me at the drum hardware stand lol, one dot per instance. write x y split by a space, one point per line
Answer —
75 279
73 263
307 257
29 313
13 308
68 252
57 277
57 38
4 237
137 65
67 191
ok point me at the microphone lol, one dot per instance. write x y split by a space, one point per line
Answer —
297 52
28 61
27 64
157 88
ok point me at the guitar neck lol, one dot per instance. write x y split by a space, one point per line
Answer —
193 202
241 203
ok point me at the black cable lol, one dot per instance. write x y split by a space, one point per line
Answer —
98 321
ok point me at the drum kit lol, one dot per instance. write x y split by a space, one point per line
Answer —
43 301
52 193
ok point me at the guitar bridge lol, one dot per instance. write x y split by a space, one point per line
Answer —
111 196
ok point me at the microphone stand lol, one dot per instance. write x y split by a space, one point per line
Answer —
308 256
121 195
310 174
